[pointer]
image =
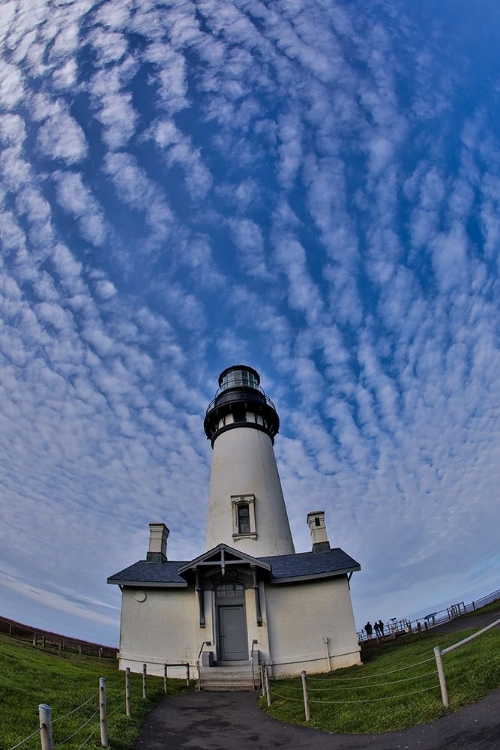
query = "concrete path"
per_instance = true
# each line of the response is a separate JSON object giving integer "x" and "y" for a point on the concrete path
{"x": 233, "y": 721}
{"x": 477, "y": 621}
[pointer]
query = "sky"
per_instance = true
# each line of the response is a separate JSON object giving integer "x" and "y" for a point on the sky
{"x": 309, "y": 187}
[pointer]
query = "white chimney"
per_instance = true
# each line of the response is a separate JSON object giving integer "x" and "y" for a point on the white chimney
{"x": 158, "y": 535}
{"x": 319, "y": 537}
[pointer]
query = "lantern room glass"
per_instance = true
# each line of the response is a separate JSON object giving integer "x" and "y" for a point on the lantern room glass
{"x": 238, "y": 378}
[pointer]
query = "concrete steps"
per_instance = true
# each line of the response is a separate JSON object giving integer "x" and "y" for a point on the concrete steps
{"x": 233, "y": 678}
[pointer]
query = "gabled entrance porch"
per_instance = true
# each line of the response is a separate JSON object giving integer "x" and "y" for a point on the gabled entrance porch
{"x": 229, "y": 586}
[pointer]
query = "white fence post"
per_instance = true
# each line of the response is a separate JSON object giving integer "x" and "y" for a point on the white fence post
{"x": 438, "y": 653}
{"x": 144, "y": 681}
{"x": 128, "y": 708}
{"x": 44, "y": 714}
{"x": 327, "y": 649}
{"x": 266, "y": 684}
{"x": 102, "y": 712}
{"x": 307, "y": 707}
{"x": 442, "y": 678}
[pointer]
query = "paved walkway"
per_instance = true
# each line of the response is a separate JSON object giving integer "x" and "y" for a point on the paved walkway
{"x": 233, "y": 721}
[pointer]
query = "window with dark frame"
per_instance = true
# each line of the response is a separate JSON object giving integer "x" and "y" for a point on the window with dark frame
{"x": 243, "y": 510}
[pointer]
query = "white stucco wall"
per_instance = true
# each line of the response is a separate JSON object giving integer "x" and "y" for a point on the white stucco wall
{"x": 164, "y": 628}
{"x": 160, "y": 630}
{"x": 243, "y": 463}
{"x": 300, "y": 616}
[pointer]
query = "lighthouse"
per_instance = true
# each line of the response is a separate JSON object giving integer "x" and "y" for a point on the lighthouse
{"x": 249, "y": 599}
{"x": 246, "y": 507}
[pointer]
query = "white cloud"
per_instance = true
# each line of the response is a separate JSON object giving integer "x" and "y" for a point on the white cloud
{"x": 7, "y": 15}
{"x": 11, "y": 86}
{"x": 170, "y": 75}
{"x": 115, "y": 111}
{"x": 249, "y": 241}
{"x": 61, "y": 137}
{"x": 106, "y": 289}
{"x": 179, "y": 150}
{"x": 77, "y": 200}
{"x": 65, "y": 77}
{"x": 109, "y": 46}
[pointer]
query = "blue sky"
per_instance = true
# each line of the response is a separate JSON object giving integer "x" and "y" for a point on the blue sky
{"x": 311, "y": 188}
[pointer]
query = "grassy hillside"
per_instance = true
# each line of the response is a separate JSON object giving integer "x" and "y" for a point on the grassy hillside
{"x": 397, "y": 687}
{"x": 29, "y": 676}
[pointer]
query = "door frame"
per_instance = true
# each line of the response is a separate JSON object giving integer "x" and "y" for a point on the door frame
{"x": 236, "y": 601}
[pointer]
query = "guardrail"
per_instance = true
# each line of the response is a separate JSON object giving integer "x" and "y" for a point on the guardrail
{"x": 397, "y": 628}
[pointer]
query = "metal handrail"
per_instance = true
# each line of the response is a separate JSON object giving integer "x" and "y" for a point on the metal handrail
{"x": 403, "y": 627}
{"x": 205, "y": 643}
{"x": 237, "y": 397}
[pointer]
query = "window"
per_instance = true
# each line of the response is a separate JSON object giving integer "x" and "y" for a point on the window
{"x": 244, "y": 516}
{"x": 230, "y": 591}
{"x": 240, "y": 377}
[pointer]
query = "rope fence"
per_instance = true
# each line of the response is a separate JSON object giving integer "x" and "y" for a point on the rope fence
{"x": 368, "y": 677}
{"x": 316, "y": 690}
{"x": 37, "y": 731}
{"x": 63, "y": 742}
{"x": 438, "y": 653}
{"x": 88, "y": 738}
{"x": 374, "y": 684}
{"x": 45, "y": 639}
{"x": 99, "y": 704}
{"x": 74, "y": 710}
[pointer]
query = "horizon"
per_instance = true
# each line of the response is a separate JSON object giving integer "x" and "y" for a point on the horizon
{"x": 412, "y": 617}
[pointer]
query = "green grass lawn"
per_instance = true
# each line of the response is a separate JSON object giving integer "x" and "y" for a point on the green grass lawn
{"x": 30, "y": 676}
{"x": 396, "y": 687}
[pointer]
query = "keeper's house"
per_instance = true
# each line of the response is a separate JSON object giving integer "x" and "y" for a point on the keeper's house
{"x": 250, "y": 598}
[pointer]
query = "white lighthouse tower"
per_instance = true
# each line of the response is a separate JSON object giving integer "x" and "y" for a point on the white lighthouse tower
{"x": 246, "y": 508}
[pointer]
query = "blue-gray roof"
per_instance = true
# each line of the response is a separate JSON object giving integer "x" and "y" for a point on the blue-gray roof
{"x": 310, "y": 565}
{"x": 284, "y": 568}
{"x": 151, "y": 573}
